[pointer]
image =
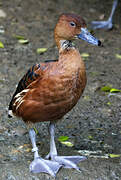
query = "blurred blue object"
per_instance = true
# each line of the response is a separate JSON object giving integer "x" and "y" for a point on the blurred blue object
{"x": 105, "y": 24}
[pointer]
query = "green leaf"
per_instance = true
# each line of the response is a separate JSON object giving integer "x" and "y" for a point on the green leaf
{"x": 118, "y": 56}
{"x": 106, "y": 88}
{"x": 110, "y": 89}
{"x": 1, "y": 45}
{"x": 114, "y": 155}
{"x": 63, "y": 138}
{"x": 67, "y": 143}
{"x": 23, "y": 41}
{"x": 18, "y": 36}
{"x": 108, "y": 103}
{"x": 90, "y": 137}
{"x": 114, "y": 90}
{"x": 87, "y": 98}
{"x": 94, "y": 73}
{"x": 36, "y": 131}
{"x": 41, "y": 50}
{"x": 84, "y": 55}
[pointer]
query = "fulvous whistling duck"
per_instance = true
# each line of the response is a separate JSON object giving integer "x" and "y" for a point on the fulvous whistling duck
{"x": 105, "y": 24}
{"x": 49, "y": 90}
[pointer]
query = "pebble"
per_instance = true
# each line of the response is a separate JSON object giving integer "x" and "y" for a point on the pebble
{"x": 2, "y": 30}
{"x": 2, "y": 14}
{"x": 19, "y": 131}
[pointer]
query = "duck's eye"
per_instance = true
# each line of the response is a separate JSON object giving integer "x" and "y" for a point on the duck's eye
{"x": 72, "y": 24}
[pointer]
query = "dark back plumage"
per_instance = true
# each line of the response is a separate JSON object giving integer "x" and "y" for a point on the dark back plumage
{"x": 28, "y": 78}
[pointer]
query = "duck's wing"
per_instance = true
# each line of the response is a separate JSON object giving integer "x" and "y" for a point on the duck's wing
{"x": 27, "y": 79}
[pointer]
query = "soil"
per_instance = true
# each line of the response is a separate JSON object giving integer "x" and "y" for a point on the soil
{"x": 94, "y": 124}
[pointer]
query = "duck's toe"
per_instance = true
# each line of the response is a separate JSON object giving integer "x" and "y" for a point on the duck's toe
{"x": 101, "y": 25}
{"x": 45, "y": 166}
{"x": 69, "y": 161}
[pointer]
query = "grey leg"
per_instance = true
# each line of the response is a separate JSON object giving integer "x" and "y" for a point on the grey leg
{"x": 53, "y": 150}
{"x": 32, "y": 136}
{"x": 105, "y": 24}
{"x": 39, "y": 164}
{"x": 66, "y": 161}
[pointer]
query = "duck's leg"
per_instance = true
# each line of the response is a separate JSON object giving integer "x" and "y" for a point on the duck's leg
{"x": 66, "y": 161}
{"x": 39, "y": 164}
{"x": 105, "y": 24}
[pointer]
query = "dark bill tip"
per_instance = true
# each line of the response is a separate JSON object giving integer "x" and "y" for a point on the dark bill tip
{"x": 9, "y": 116}
{"x": 99, "y": 43}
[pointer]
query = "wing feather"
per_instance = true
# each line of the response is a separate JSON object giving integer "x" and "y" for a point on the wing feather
{"x": 27, "y": 79}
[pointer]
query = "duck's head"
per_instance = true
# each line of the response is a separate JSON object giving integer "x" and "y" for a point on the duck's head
{"x": 70, "y": 27}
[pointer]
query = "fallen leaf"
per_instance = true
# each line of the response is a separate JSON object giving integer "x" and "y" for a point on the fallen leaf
{"x": 114, "y": 90}
{"x": 41, "y": 50}
{"x": 15, "y": 151}
{"x": 87, "y": 98}
{"x": 19, "y": 36}
{"x": 26, "y": 145}
{"x": 28, "y": 150}
{"x": 20, "y": 147}
{"x": 1, "y": 45}
{"x": 108, "y": 103}
{"x": 63, "y": 138}
{"x": 106, "y": 88}
{"x": 90, "y": 137}
{"x": 84, "y": 55}
{"x": 94, "y": 73}
{"x": 118, "y": 56}
{"x": 114, "y": 155}
{"x": 36, "y": 131}
{"x": 67, "y": 143}
{"x": 100, "y": 129}
{"x": 94, "y": 154}
{"x": 87, "y": 152}
{"x": 23, "y": 41}
{"x": 110, "y": 89}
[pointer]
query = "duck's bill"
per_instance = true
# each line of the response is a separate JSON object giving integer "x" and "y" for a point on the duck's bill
{"x": 86, "y": 36}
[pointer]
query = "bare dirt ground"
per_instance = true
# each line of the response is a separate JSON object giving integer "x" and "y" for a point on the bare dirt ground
{"x": 95, "y": 123}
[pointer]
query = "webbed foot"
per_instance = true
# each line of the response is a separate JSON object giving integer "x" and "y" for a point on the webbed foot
{"x": 68, "y": 161}
{"x": 47, "y": 166}
{"x": 105, "y": 24}
{"x": 101, "y": 25}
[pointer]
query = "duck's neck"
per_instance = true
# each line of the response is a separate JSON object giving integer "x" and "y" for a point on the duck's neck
{"x": 65, "y": 45}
